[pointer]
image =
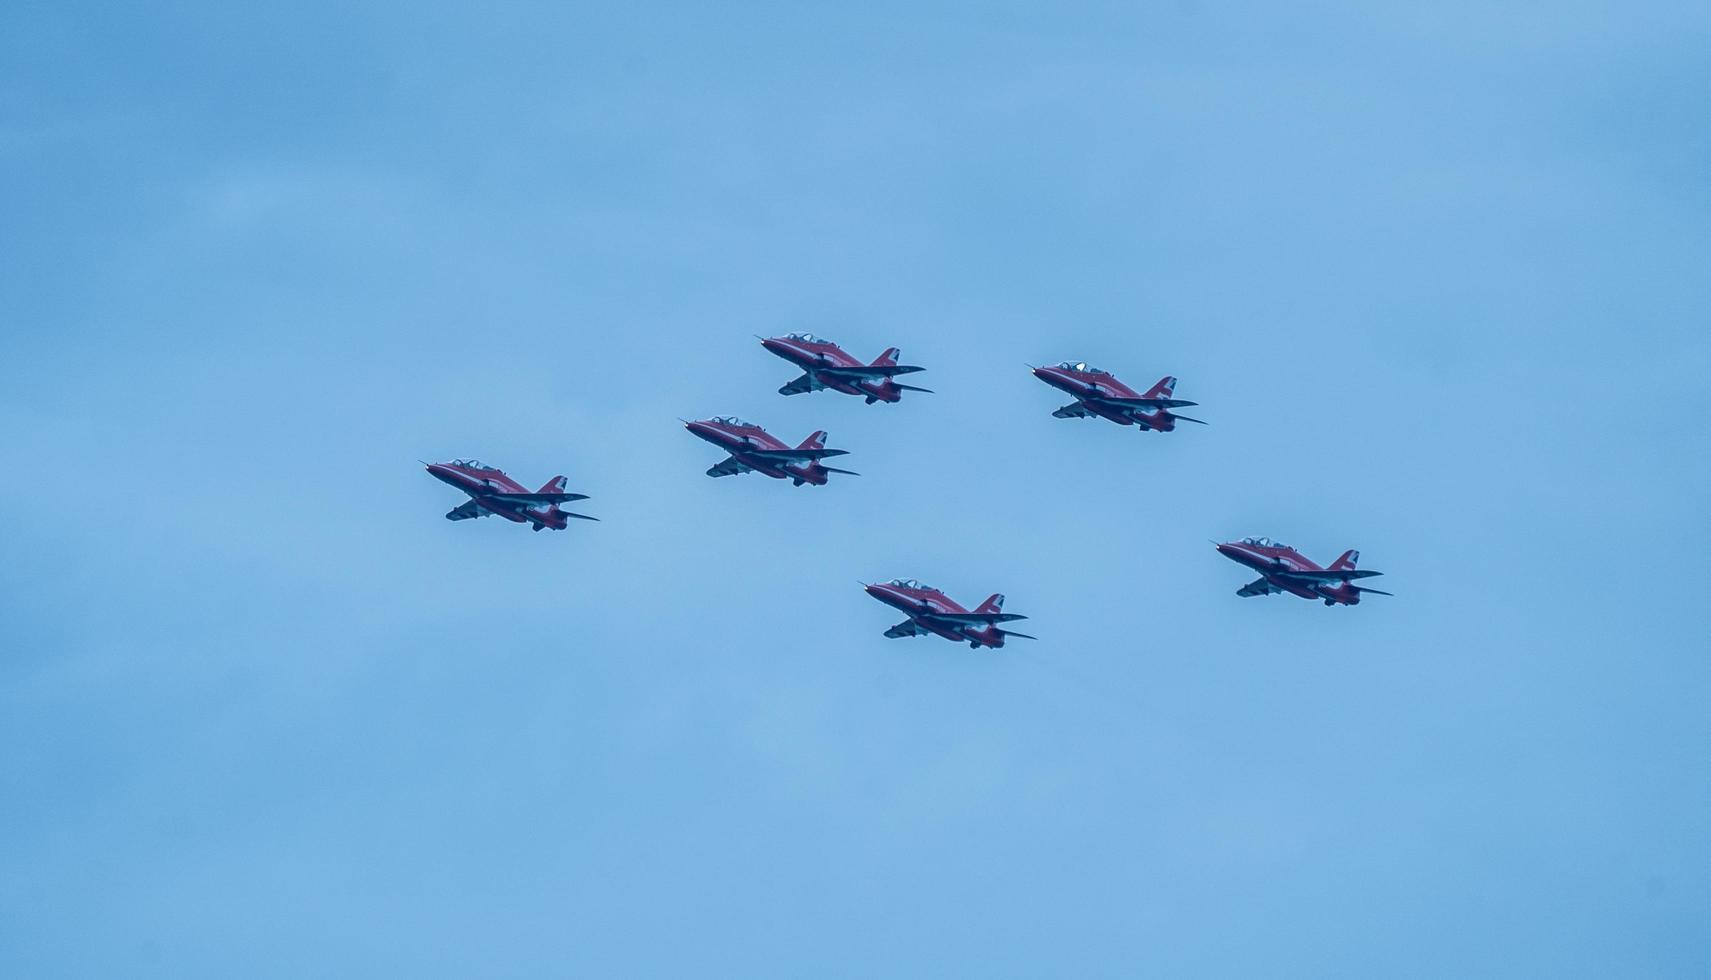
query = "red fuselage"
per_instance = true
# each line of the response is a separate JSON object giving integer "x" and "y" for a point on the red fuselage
{"x": 1274, "y": 562}
{"x": 814, "y": 355}
{"x": 1098, "y": 393}
{"x": 921, "y": 605}
{"x": 747, "y": 443}
{"x": 482, "y": 483}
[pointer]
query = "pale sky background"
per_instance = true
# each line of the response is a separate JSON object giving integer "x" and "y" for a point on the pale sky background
{"x": 1437, "y": 274}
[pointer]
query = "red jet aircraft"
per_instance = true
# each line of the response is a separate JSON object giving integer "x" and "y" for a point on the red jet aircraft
{"x": 1283, "y": 569}
{"x": 931, "y": 611}
{"x": 753, "y": 448}
{"x": 492, "y": 492}
{"x": 1098, "y": 393}
{"x": 827, "y": 366}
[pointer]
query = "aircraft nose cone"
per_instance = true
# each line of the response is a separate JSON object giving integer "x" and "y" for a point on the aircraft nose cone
{"x": 442, "y": 472}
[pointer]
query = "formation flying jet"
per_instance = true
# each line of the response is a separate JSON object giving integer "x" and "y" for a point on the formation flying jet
{"x": 492, "y": 492}
{"x": 753, "y": 448}
{"x": 931, "y": 611}
{"x": 1097, "y": 393}
{"x": 1283, "y": 569}
{"x": 826, "y": 365}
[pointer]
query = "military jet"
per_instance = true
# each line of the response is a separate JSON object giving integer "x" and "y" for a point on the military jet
{"x": 1283, "y": 569}
{"x": 931, "y": 611}
{"x": 492, "y": 492}
{"x": 826, "y": 365}
{"x": 1097, "y": 393}
{"x": 753, "y": 448}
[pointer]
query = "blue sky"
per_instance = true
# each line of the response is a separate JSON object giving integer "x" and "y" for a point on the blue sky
{"x": 1436, "y": 276}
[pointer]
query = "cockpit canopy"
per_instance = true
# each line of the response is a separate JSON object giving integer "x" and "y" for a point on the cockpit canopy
{"x": 1081, "y": 367}
{"x": 806, "y": 338}
{"x": 909, "y": 583}
{"x": 474, "y": 464}
{"x": 1266, "y": 543}
{"x": 734, "y": 422}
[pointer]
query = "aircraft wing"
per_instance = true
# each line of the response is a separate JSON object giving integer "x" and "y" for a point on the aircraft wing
{"x": 1327, "y": 574}
{"x": 973, "y": 619}
{"x": 906, "y": 628}
{"x": 537, "y": 498}
{"x": 1144, "y": 402}
{"x": 1258, "y": 586}
{"x": 464, "y": 512}
{"x": 793, "y": 455}
{"x": 801, "y": 385}
{"x": 1074, "y": 410}
{"x": 730, "y": 466}
{"x": 870, "y": 373}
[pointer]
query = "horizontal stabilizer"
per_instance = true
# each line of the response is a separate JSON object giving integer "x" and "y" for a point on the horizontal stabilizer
{"x": 537, "y": 498}
{"x": 1362, "y": 588}
{"x": 869, "y": 372}
{"x": 904, "y": 387}
{"x": 793, "y": 455}
{"x": 581, "y": 517}
{"x": 1184, "y": 418}
{"x": 834, "y": 469}
{"x": 1019, "y": 636}
{"x": 974, "y": 619}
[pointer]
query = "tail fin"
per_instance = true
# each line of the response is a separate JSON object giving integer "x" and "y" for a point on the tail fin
{"x": 815, "y": 441}
{"x": 888, "y": 358}
{"x": 554, "y": 485}
{"x": 1349, "y": 560}
{"x": 1164, "y": 389}
{"x": 992, "y": 604}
